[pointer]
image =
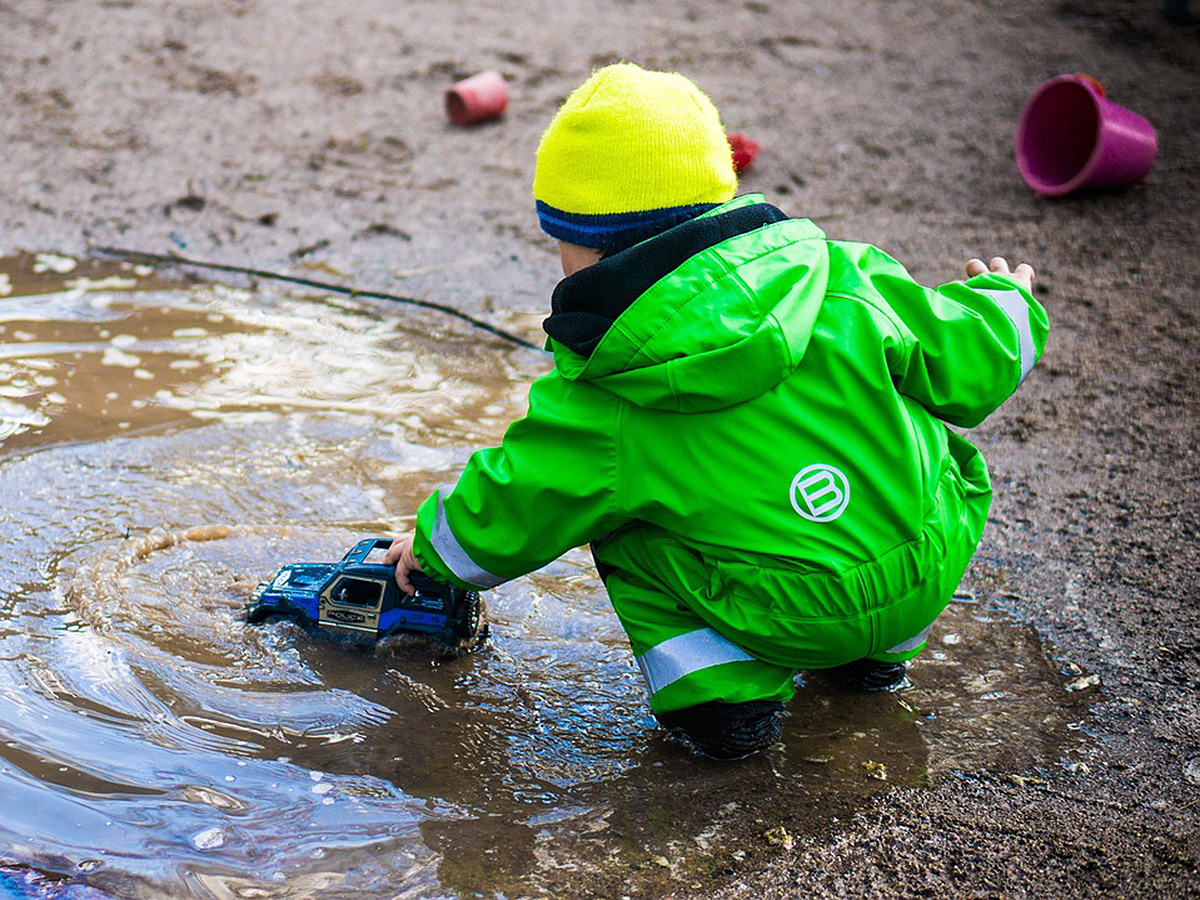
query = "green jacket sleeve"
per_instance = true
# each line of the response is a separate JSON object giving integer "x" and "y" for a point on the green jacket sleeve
{"x": 964, "y": 347}
{"x": 551, "y": 485}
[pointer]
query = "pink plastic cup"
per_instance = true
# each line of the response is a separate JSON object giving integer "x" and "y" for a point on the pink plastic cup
{"x": 477, "y": 99}
{"x": 1070, "y": 136}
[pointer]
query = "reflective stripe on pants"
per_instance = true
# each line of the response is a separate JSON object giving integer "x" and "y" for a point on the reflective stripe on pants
{"x": 683, "y": 659}
{"x": 680, "y": 656}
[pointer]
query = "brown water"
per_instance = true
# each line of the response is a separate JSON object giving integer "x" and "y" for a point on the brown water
{"x": 163, "y": 447}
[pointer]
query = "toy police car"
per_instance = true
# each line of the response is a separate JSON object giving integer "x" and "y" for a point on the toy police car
{"x": 359, "y": 598}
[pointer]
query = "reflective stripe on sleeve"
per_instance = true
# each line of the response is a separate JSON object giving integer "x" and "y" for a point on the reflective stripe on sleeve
{"x": 1014, "y": 306}
{"x": 457, "y": 559}
{"x": 686, "y": 653}
{"x": 912, "y": 643}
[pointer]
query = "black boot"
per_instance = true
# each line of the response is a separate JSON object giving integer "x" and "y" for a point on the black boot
{"x": 728, "y": 730}
{"x": 867, "y": 675}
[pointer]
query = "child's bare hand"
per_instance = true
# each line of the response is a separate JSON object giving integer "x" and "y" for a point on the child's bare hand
{"x": 1023, "y": 274}
{"x": 401, "y": 555}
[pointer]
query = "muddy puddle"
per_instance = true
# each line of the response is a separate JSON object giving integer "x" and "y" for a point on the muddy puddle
{"x": 164, "y": 446}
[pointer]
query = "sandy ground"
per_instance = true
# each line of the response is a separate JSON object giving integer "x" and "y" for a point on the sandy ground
{"x": 310, "y": 137}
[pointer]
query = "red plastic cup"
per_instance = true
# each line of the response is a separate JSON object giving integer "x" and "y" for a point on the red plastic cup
{"x": 1071, "y": 136}
{"x": 477, "y": 99}
{"x": 744, "y": 150}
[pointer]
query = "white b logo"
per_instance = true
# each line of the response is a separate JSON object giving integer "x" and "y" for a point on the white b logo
{"x": 820, "y": 493}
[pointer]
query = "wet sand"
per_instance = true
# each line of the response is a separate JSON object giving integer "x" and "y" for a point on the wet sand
{"x": 311, "y": 139}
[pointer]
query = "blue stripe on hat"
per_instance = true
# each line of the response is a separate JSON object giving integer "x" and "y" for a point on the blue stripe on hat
{"x": 606, "y": 231}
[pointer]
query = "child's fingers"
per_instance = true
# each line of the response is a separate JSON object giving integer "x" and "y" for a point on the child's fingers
{"x": 998, "y": 264}
{"x": 975, "y": 267}
{"x": 396, "y": 552}
{"x": 404, "y": 582}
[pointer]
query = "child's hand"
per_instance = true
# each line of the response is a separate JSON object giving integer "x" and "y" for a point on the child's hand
{"x": 1023, "y": 274}
{"x": 401, "y": 555}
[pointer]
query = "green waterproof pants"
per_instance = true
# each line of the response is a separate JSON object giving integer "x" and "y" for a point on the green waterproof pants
{"x": 738, "y": 626}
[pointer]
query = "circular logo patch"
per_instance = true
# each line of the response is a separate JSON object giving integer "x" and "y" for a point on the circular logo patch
{"x": 820, "y": 492}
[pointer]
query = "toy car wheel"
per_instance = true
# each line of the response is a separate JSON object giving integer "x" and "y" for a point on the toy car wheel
{"x": 262, "y": 612}
{"x": 470, "y": 614}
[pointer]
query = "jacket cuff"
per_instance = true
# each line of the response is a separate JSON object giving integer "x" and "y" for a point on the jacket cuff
{"x": 441, "y": 555}
{"x": 1014, "y": 301}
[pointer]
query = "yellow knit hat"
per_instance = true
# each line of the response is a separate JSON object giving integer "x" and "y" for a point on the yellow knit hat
{"x": 630, "y": 151}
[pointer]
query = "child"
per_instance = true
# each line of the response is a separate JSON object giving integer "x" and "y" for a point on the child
{"x": 745, "y": 421}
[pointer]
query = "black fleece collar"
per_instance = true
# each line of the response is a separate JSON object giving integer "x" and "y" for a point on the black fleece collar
{"x": 585, "y": 305}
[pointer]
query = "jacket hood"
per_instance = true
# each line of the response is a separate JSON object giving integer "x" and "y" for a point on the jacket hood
{"x": 711, "y": 313}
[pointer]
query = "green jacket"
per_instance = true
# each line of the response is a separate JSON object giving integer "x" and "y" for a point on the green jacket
{"x": 747, "y": 385}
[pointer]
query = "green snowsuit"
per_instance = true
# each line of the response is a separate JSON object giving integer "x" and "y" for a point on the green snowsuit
{"x": 745, "y": 420}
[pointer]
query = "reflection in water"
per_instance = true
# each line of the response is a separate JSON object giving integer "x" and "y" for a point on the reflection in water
{"x": 153, "y": 744}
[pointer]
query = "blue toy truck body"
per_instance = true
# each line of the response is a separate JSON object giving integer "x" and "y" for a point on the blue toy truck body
{"x": 359, "y": 598}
